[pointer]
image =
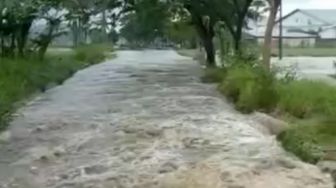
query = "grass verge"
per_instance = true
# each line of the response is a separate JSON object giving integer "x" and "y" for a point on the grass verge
{"x": 309, "y": 52}
{"x": 213, "y": 75}
{"x": 309, "y": 106}
{"x": 20, "y": 78}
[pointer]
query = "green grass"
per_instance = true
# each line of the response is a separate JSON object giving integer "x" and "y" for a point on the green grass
{"x": 309, "y": 106}
{"x": 20, "y": 78}
{"x": 301, "y": 140}
{"x": 312, "y": 52}
{"x": 213, "y": 75}
{"x": 312, "y": 108}
{"x": 312, "y": 139}
{"x": 250, "y": 88}
{"x": 304, "y": 98}
{"x": 92, "y": 53}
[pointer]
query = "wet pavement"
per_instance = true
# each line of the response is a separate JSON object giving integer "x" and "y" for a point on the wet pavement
{"x": 144, "y": 120}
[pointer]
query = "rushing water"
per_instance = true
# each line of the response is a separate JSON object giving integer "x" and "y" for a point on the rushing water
{"x": 144, "y": 120}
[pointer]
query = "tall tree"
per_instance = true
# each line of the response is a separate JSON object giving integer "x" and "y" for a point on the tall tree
{"x": 145, "y": 20}
{"x": 206, "y": 13}
{"x": 204, "y": 19}
{"x": 234, "y": 18}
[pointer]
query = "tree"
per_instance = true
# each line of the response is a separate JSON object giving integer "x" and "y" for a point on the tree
{"x": 182, "y": 33}
{"x": 16, "y": 19}
{"x": 204, "y": 20}
{"x": 235, "y": 18}
{"x": 18, "y": 16}
{"x": 145, "y": 21}
{"x": 83, "y": 16}
{"x": 267, "y": 48}
{"x": 206, "y": 14}
{"x": 52, "y": 31}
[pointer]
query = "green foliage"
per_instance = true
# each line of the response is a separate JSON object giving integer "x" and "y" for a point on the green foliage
{"x": 19, "y": 78}
{"x": 92, "y": 54}
{"x": 311, "y": 139}
{"x": 250, "y": 88}
{"x": 146, "y": 22}
{"x": 311, "y": 106}
{"x": 304, "y": 98}
{"x": 213, "y": 75}
{"x": 183, "y": 33}
{"x": 301, "y": 141}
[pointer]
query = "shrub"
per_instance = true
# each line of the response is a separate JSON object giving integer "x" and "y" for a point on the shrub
{"x": 250, "y": 88}
{"x": 213, "y": 75}
{"x": 93, "y": 53}
{"x": 305, "y": 98}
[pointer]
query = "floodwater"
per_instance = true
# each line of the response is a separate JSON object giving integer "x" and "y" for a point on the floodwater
{"x": 144, "y": 120}
{"x": 315, "y": 68}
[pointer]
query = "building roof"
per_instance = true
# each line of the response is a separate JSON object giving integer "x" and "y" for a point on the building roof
{"x": 327, "y": 16}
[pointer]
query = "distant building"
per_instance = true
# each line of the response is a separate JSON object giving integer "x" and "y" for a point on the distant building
{"x": 301, "y": 28}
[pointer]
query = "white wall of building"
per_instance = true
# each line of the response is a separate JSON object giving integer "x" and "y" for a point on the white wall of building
{"x": 329, "y": 33}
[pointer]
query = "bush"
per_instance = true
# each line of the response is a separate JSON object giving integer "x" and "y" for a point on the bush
{"x": 304, "y": 98}
{"x": 213, "y": 75}
{"x": 93, "y": 53}
{"x": 250, "y": 88}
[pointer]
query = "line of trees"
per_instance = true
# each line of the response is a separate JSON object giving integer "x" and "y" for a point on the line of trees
{"x": 57, "y": 17}
{"x": 233, "y": 15}
{"x": 180, "y": 20}
{"x": 142, "y": 21}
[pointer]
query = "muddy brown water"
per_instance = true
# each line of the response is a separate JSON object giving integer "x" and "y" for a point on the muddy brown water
{"x": 144, "y": 120}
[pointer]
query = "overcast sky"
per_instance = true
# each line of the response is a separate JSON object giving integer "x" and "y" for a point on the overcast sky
{"x": 290, "y": 5}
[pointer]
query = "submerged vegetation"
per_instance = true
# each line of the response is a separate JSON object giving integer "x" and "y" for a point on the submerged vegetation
{"x": 309, "y": 106}
{"x": 27, "y": 30}
{"x": 20, "y": 78}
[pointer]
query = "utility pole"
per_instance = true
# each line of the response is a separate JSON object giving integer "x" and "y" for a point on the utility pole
{"x": 280, "y": 32}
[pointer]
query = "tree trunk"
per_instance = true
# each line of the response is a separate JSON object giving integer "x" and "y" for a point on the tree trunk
{"x": 267, "y": 48}
{"x": 21, "y": 41}
{"x": 42, "y": 51}
{"x": 104, "y": 27}
{"x": 12, "y": 47}
{"x": 210, "y": 51}
{"x": 2, "y": 43}
{"x": 46, "y": 42}
{"x": 237, "y": 42}
{"x": 23, "y": 35}
{"x": 237, "y": 36}
{"x": 207, "y": 33}
{"x": 75, "y": 33}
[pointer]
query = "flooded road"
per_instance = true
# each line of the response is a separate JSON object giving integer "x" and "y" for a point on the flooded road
{"x": 144, "y": 120}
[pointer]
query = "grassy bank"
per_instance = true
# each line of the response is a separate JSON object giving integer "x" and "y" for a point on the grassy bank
{"x": 20, "y": 78}
{"x": 309, "y": 107}
{"x": 310, "y": 52}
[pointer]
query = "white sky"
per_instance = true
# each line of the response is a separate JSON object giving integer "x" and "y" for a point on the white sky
{"x": 289, "y": 5}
